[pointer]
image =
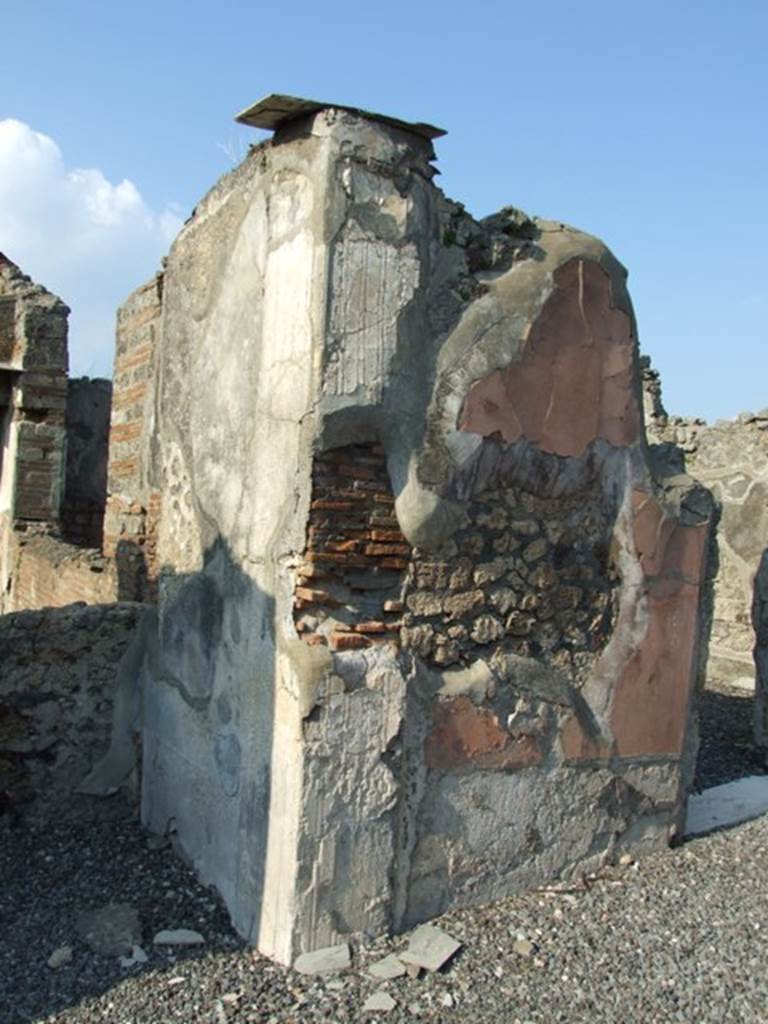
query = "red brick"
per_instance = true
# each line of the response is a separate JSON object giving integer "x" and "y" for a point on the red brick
{"x": 387, "y": 549}
{"x": 347, "y": 641}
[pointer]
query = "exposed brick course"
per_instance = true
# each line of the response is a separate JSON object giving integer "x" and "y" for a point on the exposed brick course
{"x": 352, "y": 537}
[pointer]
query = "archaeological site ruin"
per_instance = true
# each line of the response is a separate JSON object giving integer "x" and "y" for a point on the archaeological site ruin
{"x": 363, "y": 579}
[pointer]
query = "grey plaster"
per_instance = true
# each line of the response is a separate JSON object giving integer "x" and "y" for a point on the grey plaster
{"x": 324, "y": 294}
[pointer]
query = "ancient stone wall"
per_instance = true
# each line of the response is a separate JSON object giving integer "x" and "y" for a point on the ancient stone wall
{"x": 57, "y": 668}
{"x": 730, "y": 457}
{"x": 33, "y": 359}
{"x": 130, "y": 522}
{"x": 33, "y": 399}
{"x": 429, "y": 623}
{"x": 85, "y": 491}
{"x": 48, "y": 572}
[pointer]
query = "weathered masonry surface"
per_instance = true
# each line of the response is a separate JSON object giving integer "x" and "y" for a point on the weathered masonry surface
{"x": 53, "y": 458}
{"x": 730, "y": 457}
{"x": 56, "y": 702}
{"x": 130, "y": 520}
{"x": 429, "y": 624}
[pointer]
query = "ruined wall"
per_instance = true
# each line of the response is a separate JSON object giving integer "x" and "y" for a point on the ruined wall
{"x": 730, "y": 457}
{"x": 130, "y": 522}
{"x": 429, "y": 626}
{"x": 85, "y": 490}
{"x": 33, "y": 398}
{"x": 57, "y": 668}
{"x": 47, "y": 572}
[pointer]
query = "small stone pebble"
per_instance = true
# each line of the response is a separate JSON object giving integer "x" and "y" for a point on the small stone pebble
{"x": 379, "y": 1001}
{"x": 178, "y": 937}
{"x": 522, "y": 947}
{"x": 60, "y": 956}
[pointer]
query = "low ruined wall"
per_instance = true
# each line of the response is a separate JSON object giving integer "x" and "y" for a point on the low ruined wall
{"x": 57, "y": 674}
{"x": 729, "y": 457}
{"x": 47, "y": 572}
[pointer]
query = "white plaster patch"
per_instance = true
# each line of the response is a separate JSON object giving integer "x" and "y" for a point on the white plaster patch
{"x": 726, "y": 805}
{"x": 371, "y": 284}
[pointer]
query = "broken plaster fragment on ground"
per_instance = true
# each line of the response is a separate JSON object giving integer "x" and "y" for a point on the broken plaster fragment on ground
{"x": 138, "y": 956}
{"x": 388, "y": 968}
{"x": 60, "y": 956}
{"x": 379, "y": 1001}
{"x": 178, "y": 937}
{"x": 430, "y": 948}
{"x": 328, "y": 960}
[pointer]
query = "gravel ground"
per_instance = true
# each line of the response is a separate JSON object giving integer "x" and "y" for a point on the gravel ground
{"x": 678, "y": 937}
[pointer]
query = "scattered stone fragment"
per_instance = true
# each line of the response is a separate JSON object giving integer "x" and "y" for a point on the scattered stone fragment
{"x": 522, "y": 947}
{"x": 158, "y": 842}
{"x": 178, "y": 937}
{"x": 231, "y": 998}
{"x": 430, "y": 948}
{"x": 329, "y": 960}
{"x": 112, "y": 930}
{"x": 625, "y": 859}
{"x": 446, "y": 999}
{"x": 60, "y": 956}
{"x": 380, "y": 1001}
{"x": 138, "y": 956}
{"x": 389, "y": 967}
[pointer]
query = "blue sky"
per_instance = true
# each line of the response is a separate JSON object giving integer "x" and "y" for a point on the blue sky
{"x": 644, "y": 123}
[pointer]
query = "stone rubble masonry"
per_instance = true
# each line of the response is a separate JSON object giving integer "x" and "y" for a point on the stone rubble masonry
{"x": 730, "y": 457}
{"x": 58, "y": 669}
{"x": 430, "y": 622}
{"x": 132, "y": 509}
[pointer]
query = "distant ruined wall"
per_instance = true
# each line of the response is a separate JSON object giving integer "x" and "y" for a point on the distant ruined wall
{"x": 85, "y": 491}
{"x": 57, "y": 672}
{"x": 130, "y": 521}
{"x": 730, "y": 457}
{"x": 33, "y": 399}
{"x": 53, "y": 458}
{"x": 49, "y": 573}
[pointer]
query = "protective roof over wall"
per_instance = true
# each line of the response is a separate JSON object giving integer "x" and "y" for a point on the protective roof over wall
{"x": 274, "y": 110}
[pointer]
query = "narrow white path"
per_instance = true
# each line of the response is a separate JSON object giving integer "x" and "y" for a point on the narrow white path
{"x": 729, "y": 804}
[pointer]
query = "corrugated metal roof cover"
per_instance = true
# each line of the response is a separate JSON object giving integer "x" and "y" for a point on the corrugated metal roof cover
{"x": 274, "y": 110}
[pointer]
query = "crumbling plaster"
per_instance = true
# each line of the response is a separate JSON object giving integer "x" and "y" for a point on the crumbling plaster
{"x": 730, "y": 457}
{"x": 326, "y": 294}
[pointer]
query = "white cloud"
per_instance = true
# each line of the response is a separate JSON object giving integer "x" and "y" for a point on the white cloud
{"x": 78, "y": 234}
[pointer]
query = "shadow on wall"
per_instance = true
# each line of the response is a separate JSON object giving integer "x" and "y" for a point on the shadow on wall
{"x": 197, "y": 688}
{"x": 133, "y": 578}
{"x": 760, "y": 626}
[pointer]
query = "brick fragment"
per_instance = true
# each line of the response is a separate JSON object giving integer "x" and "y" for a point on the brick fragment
{"x": 315, "y": 640}
{"x": 312, "y": 595}
{"x": 347, "y": 641}
{"x": 387, "y": 549}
